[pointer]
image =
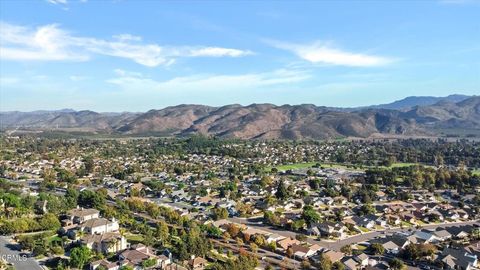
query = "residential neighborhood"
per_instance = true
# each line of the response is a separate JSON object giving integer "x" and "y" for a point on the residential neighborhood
{"x": 101, "y": 210}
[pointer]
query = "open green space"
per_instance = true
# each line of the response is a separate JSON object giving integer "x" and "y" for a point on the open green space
{"x": 304, "y": 165}
{"x": 136, "y": 238}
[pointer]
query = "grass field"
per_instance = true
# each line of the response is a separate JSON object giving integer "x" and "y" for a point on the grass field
{"x": 335, "y": 165}
{"x": 293, "y": 166}
{"x": 401, "y": 164}
{"x": 476, "y": 172}
{"x": 134, "y": 237}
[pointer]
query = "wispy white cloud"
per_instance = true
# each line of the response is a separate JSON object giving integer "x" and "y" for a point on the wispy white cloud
{"x": 77, "y": 78}
{"x": 51, "y": 43}
{"x": 324, "y": 53}
{"x": 136, "y": 81}
{"x": 45, "y": 43}
{"x": 127, "y": 37}
{"x": 56, "y": 2}
{"x": 216, "y": 52}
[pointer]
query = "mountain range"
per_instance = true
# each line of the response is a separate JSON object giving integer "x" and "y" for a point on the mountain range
{"x": 412, "y": 116}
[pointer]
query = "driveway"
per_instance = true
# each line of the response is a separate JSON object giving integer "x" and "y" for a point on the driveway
{"x": 20, "y": 261}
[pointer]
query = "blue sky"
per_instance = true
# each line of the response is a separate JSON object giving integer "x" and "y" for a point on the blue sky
{"x": 141, "y": 55}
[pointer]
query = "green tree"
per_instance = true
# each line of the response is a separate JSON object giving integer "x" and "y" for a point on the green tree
{"x": 338, "y": 265}
{"x": 347, "y": 249}
{"x": 310, "y": 215}
{"x": 377, "y": 249}
{"x": 79, "y": 256}
{"x": 397, "y": 264}
{"x": 282, "y": 192}
{"x": 220, "y": 213}
{"x": 49, "y": 222}
{"x": 89, "y": 198}
{"x": 324, "y": 263}
{"x": 161, "y": 232}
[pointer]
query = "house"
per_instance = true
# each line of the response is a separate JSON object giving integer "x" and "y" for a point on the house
{"x": 105, "y": 243}
{"x": 393, "y": 219}
{"x": 442, "y": 235}
{"x": 250, "y": 231}
{"x": 328, "y": 228}
{"x": 274, "y": 238}
{"x": 393, "y": 244}
{"x": 362, "y": 259}
{"x": 450, "y": 214}
{"x": 197, "y": 263}
{"x": 459, "y": 232}
{"x": 432, "y": 216}
{"x": 80, "y": 215}
{"x": 355, "y": 263}
{"x": 284, "y": 244}
{"x": 104, "y": 264}
{"x": 350, "y": 264}
{"x": 363, "y": 222}
{"x": 426, "y": 236}
{"x": 408, "y": 217}
{"x": 136, "y": 255}
{"x": 334, "y": 256}
{"x": 395, "y": 209}
{"x": 99, "y": 226}
{"x": 378, "y": 220}
{"x": 462, "y": 213}
{"x": 458, "y": 259}
{"x": 304, "y": 252}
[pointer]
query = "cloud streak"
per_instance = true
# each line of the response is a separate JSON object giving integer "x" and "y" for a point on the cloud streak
{"x": 322, "y": 53}
{"x": 51, "y": 43}
{"x": 135, "y": 81}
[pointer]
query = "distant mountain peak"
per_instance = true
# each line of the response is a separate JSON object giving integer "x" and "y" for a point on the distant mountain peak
{"x": 412, "y": 101}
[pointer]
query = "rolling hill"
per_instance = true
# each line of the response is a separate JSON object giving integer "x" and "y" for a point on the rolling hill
{"x": 266, "y": 121}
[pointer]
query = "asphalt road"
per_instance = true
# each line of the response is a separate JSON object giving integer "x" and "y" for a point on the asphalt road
{"x": 262, "y": 254}
{"x": 337, "y": 245}
{"x": 10, "y": 254}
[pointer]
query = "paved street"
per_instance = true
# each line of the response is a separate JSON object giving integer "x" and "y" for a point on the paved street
{"x": 262, "y": 254}
{"x": 9, "y": 252}
{"x": 336, "y": 245}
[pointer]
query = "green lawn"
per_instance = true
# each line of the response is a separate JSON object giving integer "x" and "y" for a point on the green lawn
{"x": 304, "y": 165}
{"x": 361, "y": 247}
{"x": 476, "y": 172}
{"x": 134, "y": 237}
{"x": 401, "y": 164}
{"x": 406, "y": 224}
{"x": 55, "y": 238}
{"x": 308, "y": 165}
{"x": 293, "y": 166}
{"x": 421, "y": 223}
{"x": 363, "y": 229}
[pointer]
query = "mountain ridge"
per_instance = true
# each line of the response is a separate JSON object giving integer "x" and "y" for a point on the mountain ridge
{"x": 264, "y": 121}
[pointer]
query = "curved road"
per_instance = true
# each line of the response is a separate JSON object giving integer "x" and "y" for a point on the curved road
{"x": 337, "y": 245}
{"x": 11, "y": 254}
